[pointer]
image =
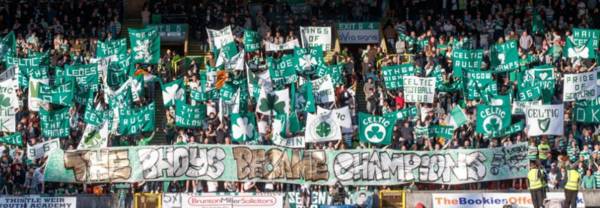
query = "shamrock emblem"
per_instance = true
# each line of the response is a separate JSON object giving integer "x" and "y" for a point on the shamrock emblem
{"x": 171, "y": 92}
{"x": 4, "y": 101}
{"x": 492, "y": 124}
{"x": 142, "y": 50}
{"x": 323, "y": 129}
{"x": 271, "y": 103}
{"x": 375, "y": 133}
{"x": 242, "y": 129}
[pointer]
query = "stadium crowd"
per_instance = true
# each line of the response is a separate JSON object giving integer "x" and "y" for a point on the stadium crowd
{"x": 69, "y": 31}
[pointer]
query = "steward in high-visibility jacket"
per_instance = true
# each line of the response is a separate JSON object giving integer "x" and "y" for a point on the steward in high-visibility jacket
{"x": 572, "y": 187}
{"x": 535, "y": 179}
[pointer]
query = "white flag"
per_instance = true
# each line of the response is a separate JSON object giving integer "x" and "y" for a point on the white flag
{"x": 9, "y": 104}
{"x": 40, "y": 150}
{"x": 341, "y": 115}
{"x": 274, "y": 102}
{"x": 94, "y": 137}
{"x": 322, "y": 128}
{"x": 580, "y": 86}
{"x": 315, "y": 36}
{"x": 323, "y": 90}
{"x": 544, "y": 119}
{"x": 218, "y": 38}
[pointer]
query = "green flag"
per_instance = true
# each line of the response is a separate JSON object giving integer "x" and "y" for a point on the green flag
{"x": 309, "y": 97}
{"x": 134, "y": 121}
{"x": 393, "y": 75}
{"x": 463, "y": 59}
{"x": 308, "y": 58}
{"x": 537, "y": 23}
{"x": 172, "y": 91}
{"x": 478, "y": 84}
{"x": 529, "y": 93}
{"x": 92, "y": 115}
{"x": 118, "y": 72}
{"x": 282, "y": 71}
{"x": 581, "y": 36}
{"x": 251, "y": 41}
{"x": 403, "y": 114}
{"x": 55, "y": 124}
{"x": 492, "y": 118}
{"x": 512, "y": 129}
{"x": 505, "y": 57}
{"x": 61, "y": 94}
{"x": 375, "y": 129}
{"x": 243, "y": 127}
{"x": 8, "y": 45}
{"x": 30, "y": 67}
{"x": 85, "y": 76}
{"x": 587, "y": 111}
{"x": 584, "y": 51}
{"x": 457, "y": 117}
{"x": 113, "y": 47}
{"x": 145, "y": 45}
{"x": 334, "y": 71}
{"x": 189, "y": 116}
{"x": 439, "y": 131}
{"x": 12, "y": 139}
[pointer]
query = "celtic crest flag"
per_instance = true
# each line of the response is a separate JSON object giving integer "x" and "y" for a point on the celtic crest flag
{"x": 375, "y": 129}
{"x": 136, "y": 120}
{"x": 12, "y": 139}
{"x": 61, "y": 94}
{"x": 251, "y": 41}
{"x": 8, "y": 45}
{"x": 190, "y": 116}
{"x": 583, "y": 51}
{"x": 9, "y": 103}
{"x": 544, "y": 120}
{"x": 505, "y": 56}
{"x": 55, "y": 124}
{"x": 243, "y": 127}
{"x": 172, "y": 91}
{"x": 145, "y": 45}
{"x": 109, "y": 48}
{"x": 94, "y": 136}
{"x": 308, "y": 58}
{"x": 492, "y": 118}
{"x": 322, "y": 127}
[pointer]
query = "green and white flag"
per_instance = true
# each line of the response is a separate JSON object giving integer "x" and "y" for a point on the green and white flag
{"x": 85, "y": 75}
{"x": 505, "y": 57}
{"x": 479, "y": 84}
{"x": 145, "y": 45}
{"x": 308, "y": 58}
{"x": 172, "y": 91}
{"x": 251, "y": 41}
{"x": 9, "y": 103}
{"x": 120, "y": 98}
{"x": 512, "y": 129}
{"x": 109, "y": 48}
{"x": 137, "y": 87}
{"x": 61, "y": 94}
{"x": 465, "y": 60}
{"x": 492, "y": 118}
{"x": 582, "y": 36}
{"x": 117, "y": 72}
{"x": 457, "y": 117}
{"x": 226, "y": 53}
{"x": 218, "y": 38}
{"x": 532, "y": 93}
{"x": 274, "y": 103}
{"x": 544, "y": 120}
{"x": 393, "y": 75}
{"x": 419, "y": 89}
{"x": 8, "y": 45}
{"x": 227, "y": 93}
{"x": 12, "y": 139}
{"x": 283, "y": 70}
{"x": 55, "y": 124}
{"x": 309, "y": 97}
{"x": 134, "y": 121}
{"x": 40, "y": 150}
{"x": 290, "y": 45}
{"x": 540, "y": 76}
{"x": 375, "y": 129}
{"x": 94, "y": 115}
{"x": 334, "y": 71}
{"x": 189, "y": 116}
{"x": 322, "y": 127}
{"x": 584, "y": 51}
{"x": 341, "y": 115}
{"x": 580, "y": 86}
{"x": 33, "y": 94}
{"x": 439, "y": 131}
{"x": 243, "y": 127}
{"x": 408, "y": 112}
{"x": 586, "y": 113}
{"x": 94, "y": 136}
{"x": 323, "y": 90}
{"x": 31, "y": 67}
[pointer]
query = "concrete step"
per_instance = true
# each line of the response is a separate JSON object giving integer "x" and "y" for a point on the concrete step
{"x": 361, "y": 103}
{"x": 160, "y": 118}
